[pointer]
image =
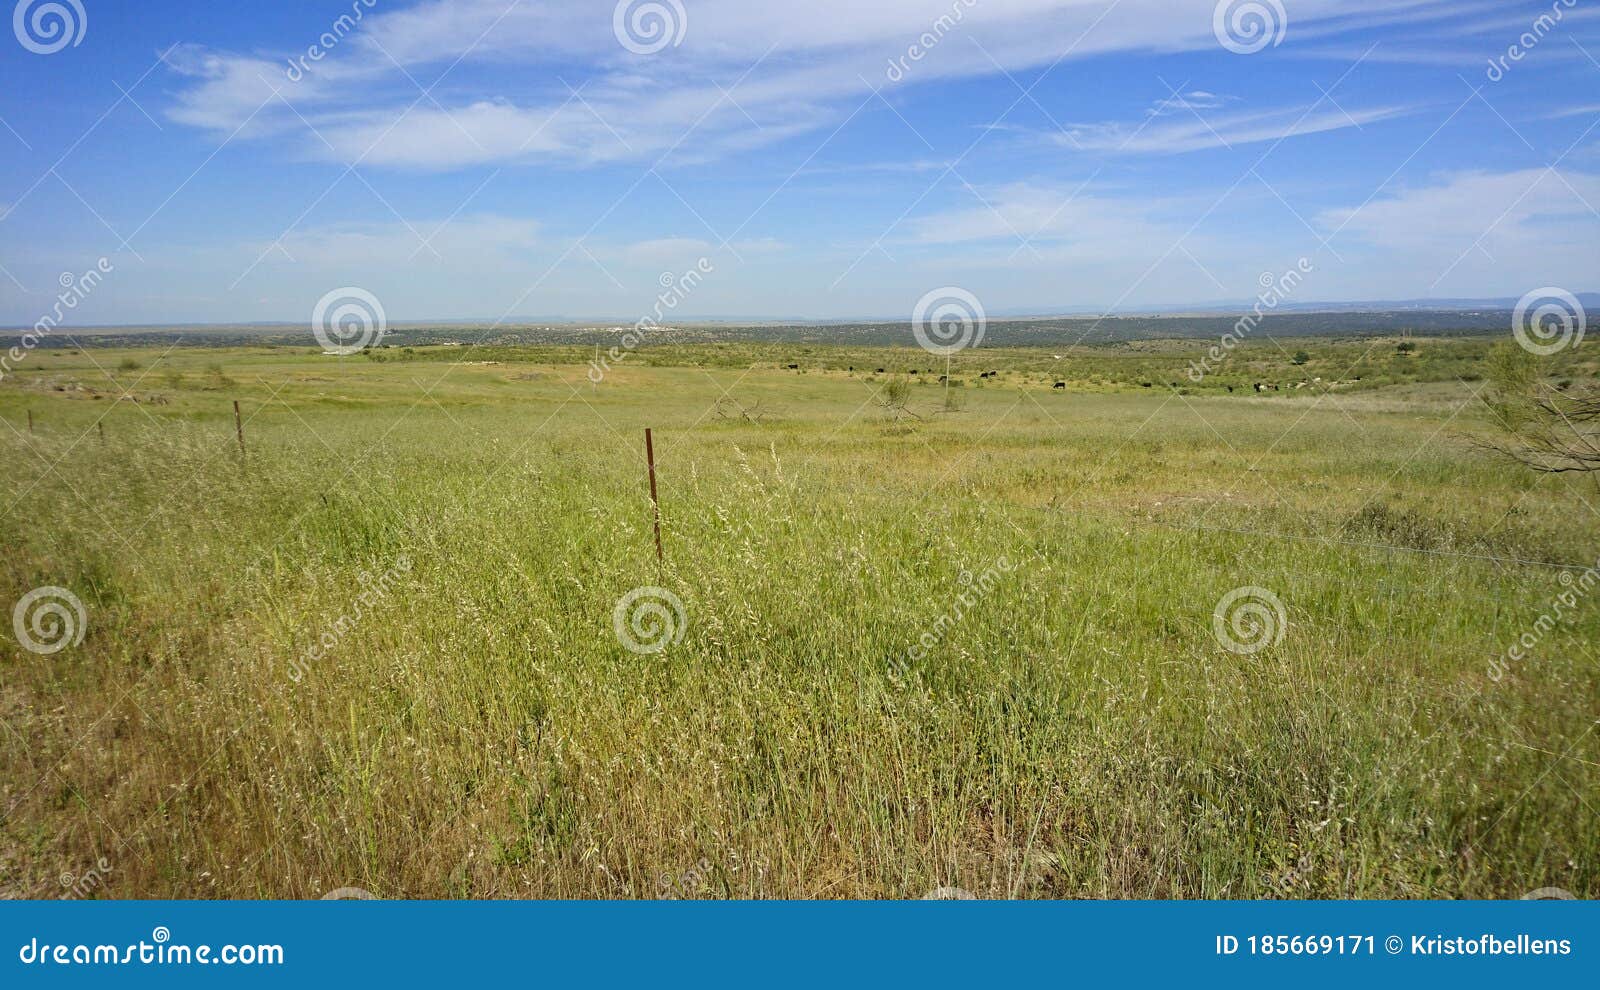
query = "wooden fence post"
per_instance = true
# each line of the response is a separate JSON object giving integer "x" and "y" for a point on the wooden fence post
{"x": 655, "y": 503}
{"x": 238, "y": 426}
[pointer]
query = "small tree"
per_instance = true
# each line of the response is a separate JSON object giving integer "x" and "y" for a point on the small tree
{"x": 896, "y": 393}
{"x": 1301, "y": 357}
{"x": 1405, "y": 347}
{"x": 1552, "y": 429}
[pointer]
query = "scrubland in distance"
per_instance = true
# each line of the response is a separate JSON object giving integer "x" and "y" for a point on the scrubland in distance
{"x": 1078, "y": 732}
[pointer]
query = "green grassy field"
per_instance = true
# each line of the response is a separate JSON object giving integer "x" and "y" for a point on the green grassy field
{"x": 967, "y": 643}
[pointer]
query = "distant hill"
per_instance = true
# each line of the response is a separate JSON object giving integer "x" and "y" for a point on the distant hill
{"x": 1492, "y": 316}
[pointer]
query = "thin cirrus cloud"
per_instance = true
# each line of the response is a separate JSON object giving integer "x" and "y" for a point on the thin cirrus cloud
{"x": 550, "y": 82}
{"x": 1469, "y": 230}
{"x": 1198, "y": 132}
{"x": 1527, "y": 207}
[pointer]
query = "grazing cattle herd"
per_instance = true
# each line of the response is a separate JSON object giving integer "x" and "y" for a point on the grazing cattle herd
{"x": 1259, "y": 387}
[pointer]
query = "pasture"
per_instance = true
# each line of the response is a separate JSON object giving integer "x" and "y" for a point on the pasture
{"x": 964, "y": 639}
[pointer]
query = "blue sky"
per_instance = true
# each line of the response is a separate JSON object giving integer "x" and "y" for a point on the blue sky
{"x": 501, "y": 160}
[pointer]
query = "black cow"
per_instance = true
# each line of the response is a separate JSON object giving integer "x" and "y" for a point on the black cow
{"x": 1060, "y": 385}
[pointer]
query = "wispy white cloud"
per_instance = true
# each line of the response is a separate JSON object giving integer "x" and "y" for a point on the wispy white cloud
{"x": 1197, "y": 132}
{"x": 1194, "y": 99}
{"x": 745, "y": 74}
{"x": 1473, "y": 229}
{"x": 468, "y": 242}
{"x": 1068, "y": 221}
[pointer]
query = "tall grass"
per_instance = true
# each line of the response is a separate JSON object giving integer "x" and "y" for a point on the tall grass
{"x": 477, "y": 729}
